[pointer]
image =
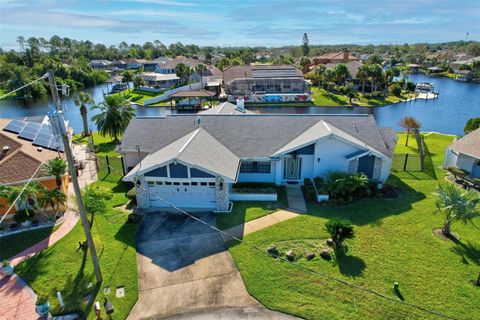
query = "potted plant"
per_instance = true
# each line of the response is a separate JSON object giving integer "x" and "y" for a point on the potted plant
{"x": 42, "y": 307}
{"x": 7, "y": 268}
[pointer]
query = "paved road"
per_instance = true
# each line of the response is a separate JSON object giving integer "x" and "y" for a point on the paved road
{"x": 183, "y": 266}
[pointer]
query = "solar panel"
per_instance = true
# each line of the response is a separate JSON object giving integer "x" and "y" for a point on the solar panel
{"x": 15, "y": 126}
{"x": 46, "y": 139}
{"x": 30, "y": 131}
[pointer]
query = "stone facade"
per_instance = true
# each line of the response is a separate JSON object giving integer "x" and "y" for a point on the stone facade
{"x": 377, "y": 169}
{"x": 353, "y": 166}
{"x": 142, "y": 194}
{"x": 222, "y": 194}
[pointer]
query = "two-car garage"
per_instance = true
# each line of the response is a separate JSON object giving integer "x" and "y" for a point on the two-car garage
{"x": 182, "y": 194}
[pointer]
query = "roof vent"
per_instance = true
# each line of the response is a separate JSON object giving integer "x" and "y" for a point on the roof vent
{"x": 5, "y": 148}
{"x": 39, "y": 149}
{"x": 198, "y": 120}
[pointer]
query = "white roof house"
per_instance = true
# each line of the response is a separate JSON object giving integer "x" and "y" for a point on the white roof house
{"x": 192, "y": 161}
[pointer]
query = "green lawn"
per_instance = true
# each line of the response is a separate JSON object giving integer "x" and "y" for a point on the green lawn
{"x": 323, "y": 98}
{"x": 103, "y": 145}
{"x": 244, "y": 211}
{"x": 64, "y": 268}
{"x": 138, "y": 96}
{"x": 11, "y": 245}
{"x": 394, "y": 242}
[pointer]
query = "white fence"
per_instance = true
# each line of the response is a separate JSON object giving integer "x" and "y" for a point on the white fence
{"x": 253, "y": 197}
{"x": 193, "y": 86}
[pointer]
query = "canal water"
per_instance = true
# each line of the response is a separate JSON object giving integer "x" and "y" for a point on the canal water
{"x": 457, "y": 102}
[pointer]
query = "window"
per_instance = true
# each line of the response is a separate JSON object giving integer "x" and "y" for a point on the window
{"x": 168, "y": 183}
{"x": 159, "y": 183}
{"x": 255, "y": 167}
{"x": 194, "y": 183}
{"x": 211, "y": 184}
{"x": 203, "y": 183}
{"x": 151, "y": 183}
{"x": 176, "y": 183}
{"x": 186, "y": 183}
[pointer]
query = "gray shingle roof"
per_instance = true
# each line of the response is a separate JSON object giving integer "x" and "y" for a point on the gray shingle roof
{"x": 247, "y": 136}
{"x": 468, "y": 144}
{"x": 197, "y": 149}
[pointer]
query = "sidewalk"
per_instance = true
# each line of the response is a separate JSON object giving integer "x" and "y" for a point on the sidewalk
{"x": 258, "y": 224}
{"x": 18, "y": 299}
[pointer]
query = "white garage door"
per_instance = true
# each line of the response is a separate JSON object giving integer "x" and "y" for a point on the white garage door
{"x": 183, "y": 194}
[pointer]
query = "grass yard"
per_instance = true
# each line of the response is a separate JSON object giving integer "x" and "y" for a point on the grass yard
{"x": 14, "y": 244}
{"x": 104, "y": 146}
{"x": 138, "y": 96}
{"x": 394, "y": 242}
{"x": 323, "y": 98}
{"x": 63, "y": 267}
{"x": 244, "y": 211}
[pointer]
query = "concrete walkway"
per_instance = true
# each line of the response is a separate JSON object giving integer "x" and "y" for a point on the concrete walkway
{"x": 258, "y": 224}
{"x": 17, "y": 298}
{"x": 295, "y": 198}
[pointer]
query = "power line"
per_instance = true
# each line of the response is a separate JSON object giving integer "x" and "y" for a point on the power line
{"x": 24, "y": 86}
{"x": 346, "y": 283}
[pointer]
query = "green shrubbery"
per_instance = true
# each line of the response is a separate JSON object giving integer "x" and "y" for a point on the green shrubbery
{"x": 254, "y": 187}
{"x": 457, "y": 172}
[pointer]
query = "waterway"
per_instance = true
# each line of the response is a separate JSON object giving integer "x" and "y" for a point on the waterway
{"x": 456, "y": 103}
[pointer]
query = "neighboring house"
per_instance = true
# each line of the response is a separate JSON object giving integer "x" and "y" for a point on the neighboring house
{"x": 135, "y": 64}
{"x": 170, "y": 66}
{"x": 100, "y": 64}
{"x": 456, "y": 65}
{"x": 154, "y": 65}
{"x": 352, "y": 67}
{"x": 227, "y": 108}
{"x": 192, "y": 161}
{"x": 159, "y": 80}
{"x": 465, "y": 154}
{"x": 19, "y": 159}
{"x": 334, "y": 57}
{"x": 265, "y": 83}
{"x": 119, "y": 64}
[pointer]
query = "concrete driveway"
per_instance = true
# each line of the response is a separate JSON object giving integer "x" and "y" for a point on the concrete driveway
{"x": 185, "y": 272}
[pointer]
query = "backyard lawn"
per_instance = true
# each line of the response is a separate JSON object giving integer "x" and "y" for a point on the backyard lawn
{"x": 394, "y": 243}
{"x": 138, "y": 96}
{"x": 244, "y": 211}
{"x": 323, "y": 98}
{"x": 66, "y": 268}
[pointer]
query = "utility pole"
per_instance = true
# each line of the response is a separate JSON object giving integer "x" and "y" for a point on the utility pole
{"x": 59, "y": 124}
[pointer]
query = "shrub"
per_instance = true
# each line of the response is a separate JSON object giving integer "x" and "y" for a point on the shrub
{"x": 132, "y": 194}
{"x": 21, "y": 216}
{"x": 254, "y": 187}
{"x": 41, "y": 299}
{"x": 5, "y": 263}
{"x": 457, "y": 172}
{"x": 410, "y": 86}
{"x": 345, "y": 186}
{"x": 395, "y": 89}
{"x": 320, "y": 185}
{"x": 339, "y": 230}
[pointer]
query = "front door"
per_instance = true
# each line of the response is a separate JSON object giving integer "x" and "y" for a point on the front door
{"x": 292, "y": 168}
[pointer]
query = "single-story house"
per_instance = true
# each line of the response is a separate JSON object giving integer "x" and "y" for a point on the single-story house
{"x": 136, "y": 64}
{"x": 465, "y": 154}
{"x": 19, "y": 159}
{"x": 169, "y": 67}
{"x": 159, "y": 80}
{"x": 192, "y": 161}
{"x": 265, "y": 83}
{"x": 100, "y": 64}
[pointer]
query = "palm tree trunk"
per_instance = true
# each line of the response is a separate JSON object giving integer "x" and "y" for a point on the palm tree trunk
{"x": 83, "y": 111}
{"x": 58, "y": 180}
{"x": 446, "y": 230}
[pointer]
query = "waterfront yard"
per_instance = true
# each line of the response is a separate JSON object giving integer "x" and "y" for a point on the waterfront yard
{"x": 138, "y": 96}
{"x": 324, "y": 98}
{"x": 394, "y": 243}
{"x": 66, "y": 268}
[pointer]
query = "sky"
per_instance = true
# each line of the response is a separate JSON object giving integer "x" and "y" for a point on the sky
{"x": 241, "y": 23}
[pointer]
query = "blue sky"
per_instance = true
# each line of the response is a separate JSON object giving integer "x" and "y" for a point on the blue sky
{"x": 241, "y": 23}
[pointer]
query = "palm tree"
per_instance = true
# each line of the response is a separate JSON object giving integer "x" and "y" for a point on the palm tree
{"x": 362, "y": 76}
{"x": 138, "y": 82}
{"x": 456, "y": 204}
{"x": 114, "y": 117}
{"x": 342, "y": 73}
{"x": 200, "y": 68}
{"x": 127, "y": 77}
{"x": 81, "y": 100}
{"x": 51, "y": 198}
{"x": 410, "y": 124}
{"x": 18, "y": 77}
{"x": 376, "y": 76}
{"x": 182, "y": 71}
{"x": 57, "y": 168}
{"x": 27, "y": 197}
